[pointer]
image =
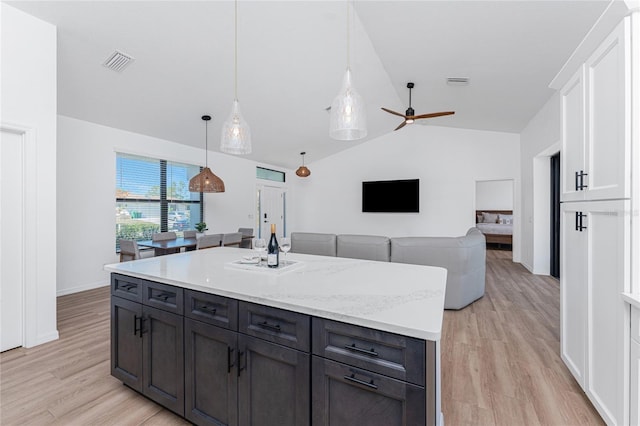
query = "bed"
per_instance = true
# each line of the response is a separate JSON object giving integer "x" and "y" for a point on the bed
{"x": 496, "y": 225}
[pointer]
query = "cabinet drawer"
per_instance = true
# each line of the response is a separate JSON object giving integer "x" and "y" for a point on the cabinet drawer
{"x": 635, "y": 324}
{"x": 163, "y": 296}
{"x": 275, "y": 325}
{"x": 343, "y": 395}
{"x": 126, "y": 287}
{"x": 386, "y": 353}
{"x": 212, "y": 309}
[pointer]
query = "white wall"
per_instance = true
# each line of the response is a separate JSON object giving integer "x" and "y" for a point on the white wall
{"x": 86, "y": 222}
{"x": 28, "y": 102}
{"x": 494, "y": 195}
{"x": 447, "y": 161}
{"x": 540, "y": 139}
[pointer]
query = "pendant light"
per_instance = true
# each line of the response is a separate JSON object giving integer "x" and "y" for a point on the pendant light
{"x": 347, "y": 120}
{"x": 302, "y": 170}
{"x": 206, "y": 181}
{"x": 236, "y": 134}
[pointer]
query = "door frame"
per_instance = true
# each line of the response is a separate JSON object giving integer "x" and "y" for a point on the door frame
{"x": 28, "y": 263}
{"x": 258, "y": 207}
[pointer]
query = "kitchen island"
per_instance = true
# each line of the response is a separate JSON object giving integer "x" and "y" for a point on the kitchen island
{"x": 322, "y": 341}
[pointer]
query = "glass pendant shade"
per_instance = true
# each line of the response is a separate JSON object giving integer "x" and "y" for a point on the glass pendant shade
{"x": 206, "y": 181}
{"x": 236, "y": 134}
{"x": 347, "y": 121}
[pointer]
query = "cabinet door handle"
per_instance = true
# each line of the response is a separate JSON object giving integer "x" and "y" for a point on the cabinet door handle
{"x": 354, "y": 348}
{"x": 352, "y": 378}
{"x": 577, "y": 221}
{"x": 135, "y": 325}
{"x": 581, "y": 227}
{"x": 577, "y": 181}
{"x": 240, "y": 353}
{"x": 212, "y": 311}
{"x": 229, "y": 358}
{"x": 582, "y": 184}
{"x": 274, "y": 327}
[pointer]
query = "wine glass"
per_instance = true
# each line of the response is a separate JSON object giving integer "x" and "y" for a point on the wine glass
{"x": 260, "y": 245}
{"x": 285, "y": 246}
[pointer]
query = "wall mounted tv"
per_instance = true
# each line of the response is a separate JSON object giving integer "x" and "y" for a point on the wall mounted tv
{"x": 391, "y": 196}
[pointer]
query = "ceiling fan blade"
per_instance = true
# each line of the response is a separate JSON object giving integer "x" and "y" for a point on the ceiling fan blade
{"x": 404, "y": 123}
{"x": 393, "y": 112}
{"x": 434, "y": 114}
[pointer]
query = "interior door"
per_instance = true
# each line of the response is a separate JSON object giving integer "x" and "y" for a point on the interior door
{"x": 11, "y": 241}
{"x": 271, "y": 208}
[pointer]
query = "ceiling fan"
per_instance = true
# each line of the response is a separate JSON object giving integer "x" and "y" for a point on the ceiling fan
{"x": 410, "y": 115}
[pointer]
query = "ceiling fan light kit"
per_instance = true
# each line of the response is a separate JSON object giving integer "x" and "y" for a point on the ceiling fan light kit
{"x": 206, "y": 180}
{"x": 236, "y": 134}
{"x": 410, "y": 115}
{"x": 303, "y": 171}
{"x": 347, "y": 119}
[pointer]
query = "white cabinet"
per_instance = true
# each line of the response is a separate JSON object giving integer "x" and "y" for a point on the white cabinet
{"x": 596, "y": 123}
{"x": 594, "y": 317}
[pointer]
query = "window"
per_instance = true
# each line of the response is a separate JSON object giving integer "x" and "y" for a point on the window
{"x": 153, "y": 196}
{"x": 268, "y": 174}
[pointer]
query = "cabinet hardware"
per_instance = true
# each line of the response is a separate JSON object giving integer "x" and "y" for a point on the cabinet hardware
{"x": 577, "y": 181}
{"x": 164, "y": 296}
{"x": 128, "y": 287}
{"x": 212, "y": 311}
{"x": 354, "y": 348}
{"x": 577, "y": 220}
{"x": 581, "y": 216}
{"x": 274, "y": 327}
{"x": 229, "y": 362}
{"x": 135, "y": 325}
{"x": 240, "y": 353}
{"x": 582, "y": 184}
{"x": 352, "y": 378}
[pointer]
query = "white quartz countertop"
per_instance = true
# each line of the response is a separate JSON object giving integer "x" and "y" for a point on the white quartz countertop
{"x": 398, "y": 298}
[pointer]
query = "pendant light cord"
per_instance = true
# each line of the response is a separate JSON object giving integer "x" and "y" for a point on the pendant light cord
{"x": 206, "y": 143}
{"x": 348, "y": 39}
{"x": 235, "y": 84}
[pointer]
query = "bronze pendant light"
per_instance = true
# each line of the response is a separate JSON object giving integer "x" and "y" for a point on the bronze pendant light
{"x": 302, "y": 170}
{"x": 206, "y": 181}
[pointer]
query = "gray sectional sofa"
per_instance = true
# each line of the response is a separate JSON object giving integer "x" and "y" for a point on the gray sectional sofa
{"x": 464, "y": 257}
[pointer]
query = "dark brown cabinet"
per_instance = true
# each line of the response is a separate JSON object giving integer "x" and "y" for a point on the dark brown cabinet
{"x": 146, "y": 342}
{"x": 220, "y": 361}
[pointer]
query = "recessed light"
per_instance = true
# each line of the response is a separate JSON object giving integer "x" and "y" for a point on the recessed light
{"x": 458, "y": 81}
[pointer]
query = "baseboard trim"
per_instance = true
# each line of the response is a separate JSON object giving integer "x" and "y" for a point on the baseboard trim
{"x": 78, "y": 289}
{"x": 43, "y": 338}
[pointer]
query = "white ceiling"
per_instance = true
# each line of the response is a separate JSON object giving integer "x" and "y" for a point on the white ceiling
{"x": 292, "y": 57}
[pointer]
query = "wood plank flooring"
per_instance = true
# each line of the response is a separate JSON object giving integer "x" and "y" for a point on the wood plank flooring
{"x": 500, "y": 363}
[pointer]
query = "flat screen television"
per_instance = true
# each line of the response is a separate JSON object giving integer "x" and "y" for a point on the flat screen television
{"x": 391, "y": 196}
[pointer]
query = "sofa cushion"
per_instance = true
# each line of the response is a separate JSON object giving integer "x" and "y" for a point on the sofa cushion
{"x": 368, "y": 247}
{"x": 313, "y": 243}
{"x": 463, "y": 257}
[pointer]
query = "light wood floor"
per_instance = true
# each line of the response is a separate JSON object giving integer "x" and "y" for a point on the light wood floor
{"x": 500, "y": 363}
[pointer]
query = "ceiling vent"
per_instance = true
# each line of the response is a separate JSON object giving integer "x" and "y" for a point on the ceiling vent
{"x": 118, "y": 61}
{"x": 458, "y": 81}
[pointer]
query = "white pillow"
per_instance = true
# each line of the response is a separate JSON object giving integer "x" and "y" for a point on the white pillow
{"x": 505, "y": 219}
{"x": 489, "y": 217}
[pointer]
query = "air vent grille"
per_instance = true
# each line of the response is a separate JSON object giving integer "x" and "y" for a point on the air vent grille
{"x": 458, "y": 81}
{"x": 118, "y": 61}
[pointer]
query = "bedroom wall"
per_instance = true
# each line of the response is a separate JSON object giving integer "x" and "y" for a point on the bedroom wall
{"x": 447, "y": 161}
{"x": 494, "y": 195}
{"x": 86, "y": 223}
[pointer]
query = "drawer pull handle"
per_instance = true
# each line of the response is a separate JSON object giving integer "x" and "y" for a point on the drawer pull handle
{"x": 164, "y": 296}
{"x": 274, "y": 327}
{"x": 229, "y": 357}
{"x": 354, "y": 348}
{"x": 352, "y": 378}
{"x": 212, "y": 311}
{"x": 128, "y": 287}
{"x": 240, "y": 353}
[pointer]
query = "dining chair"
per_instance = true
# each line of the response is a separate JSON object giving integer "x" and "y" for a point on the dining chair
{"x": 190, "y": 234}
{"x": 232, "y": 239}
{"x": 247, "y": 235}
{"x": 207, "y": 241}
{"x": 164, "y": 236}
{"x": 129, "y": 250}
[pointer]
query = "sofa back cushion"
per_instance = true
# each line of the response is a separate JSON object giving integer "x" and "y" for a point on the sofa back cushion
{"x": 368, "y": 247}
{"x": 313, "y": 243}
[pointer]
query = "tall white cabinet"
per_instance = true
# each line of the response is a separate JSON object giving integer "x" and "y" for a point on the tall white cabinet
{"x": 596, "y": 225}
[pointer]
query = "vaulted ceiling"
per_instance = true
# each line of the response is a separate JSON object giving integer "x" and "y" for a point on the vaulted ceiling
{"x": 291, "y": 59}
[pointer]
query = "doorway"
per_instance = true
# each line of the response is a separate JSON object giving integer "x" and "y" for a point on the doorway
{"x": 554, "y": 261}
{"x": 271, "y": 208}
{"x": 11, "y": 240}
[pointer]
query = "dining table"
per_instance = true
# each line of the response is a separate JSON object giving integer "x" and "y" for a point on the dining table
{"x": 169, "y": 246}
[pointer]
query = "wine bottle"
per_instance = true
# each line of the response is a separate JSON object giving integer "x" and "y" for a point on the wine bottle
{"x": 273, "y": 250}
